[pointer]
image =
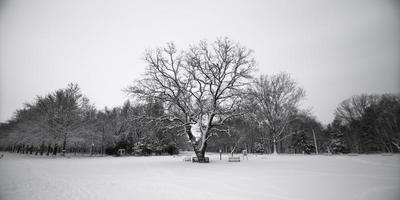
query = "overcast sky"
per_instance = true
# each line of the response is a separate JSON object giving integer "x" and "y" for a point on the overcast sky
{"x": 333, "y": 49}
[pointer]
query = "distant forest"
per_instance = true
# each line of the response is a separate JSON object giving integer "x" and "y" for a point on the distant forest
{"x": 205, "y": 98}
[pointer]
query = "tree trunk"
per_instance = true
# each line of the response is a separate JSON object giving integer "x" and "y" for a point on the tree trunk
{"x": 199, "y": 147}
{"x": 200, "y": 153}
{"x": 64, "y": 147}
{"x": 48, "y": 150}
{"x": 102, "y": 142}
{"x": 55, "y": 149}
{"x": 275, "y": 144}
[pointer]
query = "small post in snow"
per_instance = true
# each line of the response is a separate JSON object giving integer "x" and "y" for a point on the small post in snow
{"x": 245, "y": 154}
{"x": 91, "y": 149}
{"x": 220, "y": 154}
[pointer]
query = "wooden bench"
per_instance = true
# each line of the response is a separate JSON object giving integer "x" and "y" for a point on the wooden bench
{"x": 234, "y": 159}
{"x": 204, "y": 160}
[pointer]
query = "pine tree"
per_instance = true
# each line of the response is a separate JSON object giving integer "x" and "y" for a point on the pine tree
{"x": 337, "y": 142}
{"x": 258, "y": 147}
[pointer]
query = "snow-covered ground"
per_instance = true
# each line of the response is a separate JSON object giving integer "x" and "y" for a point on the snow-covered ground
{"x": 165, "y": 177}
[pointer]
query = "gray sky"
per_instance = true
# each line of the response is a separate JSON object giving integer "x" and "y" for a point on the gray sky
{"x": 333, "y": 49}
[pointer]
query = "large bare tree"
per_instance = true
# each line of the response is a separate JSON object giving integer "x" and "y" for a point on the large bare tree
{"x": 200, "y": 87}
{"x": 275, "y": 104}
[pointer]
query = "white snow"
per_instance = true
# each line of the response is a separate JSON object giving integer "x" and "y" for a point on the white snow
{"x": 165, "y": 177}
{"x": 196, "y": 130}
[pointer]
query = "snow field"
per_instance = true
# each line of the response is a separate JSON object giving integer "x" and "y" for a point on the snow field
{"x": 282, "y": 177}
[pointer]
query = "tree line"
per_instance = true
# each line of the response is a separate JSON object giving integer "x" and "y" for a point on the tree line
{"x": 66, "y": 122}
{"x": 204, "y": 98}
